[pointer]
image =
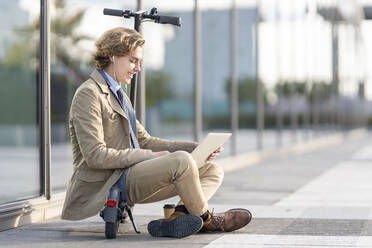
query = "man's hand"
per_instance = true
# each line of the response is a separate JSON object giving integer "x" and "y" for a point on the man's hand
{"x": 215, "y": 153}
{"x": 159, "y": 154}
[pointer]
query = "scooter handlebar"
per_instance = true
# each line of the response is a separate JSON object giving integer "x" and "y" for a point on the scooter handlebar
{"x": 169, "y": 19}
{"x": 158, "y": 18}
{"x": 113, "y": 12}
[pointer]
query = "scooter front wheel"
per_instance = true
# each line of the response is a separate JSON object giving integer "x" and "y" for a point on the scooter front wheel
{"x": 111, "y": 229}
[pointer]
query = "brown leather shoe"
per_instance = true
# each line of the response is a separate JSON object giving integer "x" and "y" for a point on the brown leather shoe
{"x": 228, "y": 221}
{"x": 178, "y": 225}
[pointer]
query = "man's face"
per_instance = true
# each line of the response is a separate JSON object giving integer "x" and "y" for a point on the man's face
{"x": 126, "y": 67}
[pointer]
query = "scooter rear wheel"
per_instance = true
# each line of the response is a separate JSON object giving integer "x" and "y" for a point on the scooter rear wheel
{"x": 111, "y": 229}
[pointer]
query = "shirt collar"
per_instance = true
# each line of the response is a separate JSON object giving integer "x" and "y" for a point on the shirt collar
{"x": 114, "y": 86}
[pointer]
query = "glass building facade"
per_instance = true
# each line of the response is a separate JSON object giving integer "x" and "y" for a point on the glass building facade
{"x": 19, "y": 126}
{"x": 273, "y": 72}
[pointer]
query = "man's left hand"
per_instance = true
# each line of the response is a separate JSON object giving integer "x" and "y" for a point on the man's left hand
{"x": 215, "y": 153}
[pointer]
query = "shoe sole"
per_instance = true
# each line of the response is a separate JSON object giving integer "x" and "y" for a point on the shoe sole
{"x": 182, "y": 226}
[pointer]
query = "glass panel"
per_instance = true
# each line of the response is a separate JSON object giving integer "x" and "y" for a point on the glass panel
{"x": 75, "y": 26}
{"x": 268, "y": 70}
{"x": 19, "y": 146}
{"x": 216, "y": 68}
{"x": 246, "y": 139}
{"x": 169, "y": 72}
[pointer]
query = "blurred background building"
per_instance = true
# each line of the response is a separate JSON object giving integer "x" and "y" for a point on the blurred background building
{"x": 272, "y": 72}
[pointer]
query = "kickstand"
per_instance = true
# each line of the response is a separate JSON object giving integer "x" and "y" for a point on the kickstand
{"x": 131, "y": 218}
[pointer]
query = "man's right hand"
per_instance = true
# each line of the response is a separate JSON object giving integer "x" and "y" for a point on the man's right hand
{"x": 159, "y": 154}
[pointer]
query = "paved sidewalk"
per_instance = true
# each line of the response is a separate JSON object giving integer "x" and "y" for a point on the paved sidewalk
{"x": 312, "y": 199}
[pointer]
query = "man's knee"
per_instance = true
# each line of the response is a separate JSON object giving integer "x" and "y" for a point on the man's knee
{"x": 182, "y": 156}
{"x": 216, "y": 171}
{"x": 183, "y": 162}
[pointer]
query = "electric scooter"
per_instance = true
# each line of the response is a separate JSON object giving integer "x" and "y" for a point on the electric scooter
{"x": 116, "y": 208}
{"x": 114, "y": 212}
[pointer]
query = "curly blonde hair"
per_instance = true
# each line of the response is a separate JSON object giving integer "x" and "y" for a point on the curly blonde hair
{"x": 118, "y": 41}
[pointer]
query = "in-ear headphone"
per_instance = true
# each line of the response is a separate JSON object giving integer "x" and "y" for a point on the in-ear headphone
{"x": 113, "y": 59}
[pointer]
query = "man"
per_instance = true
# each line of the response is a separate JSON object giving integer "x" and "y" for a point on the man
{"x": 109, "y": 143}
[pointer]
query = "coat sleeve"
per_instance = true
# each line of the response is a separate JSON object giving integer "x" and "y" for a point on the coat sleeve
{"x": 156, "y": 144}
{"x": 86, "y": 116}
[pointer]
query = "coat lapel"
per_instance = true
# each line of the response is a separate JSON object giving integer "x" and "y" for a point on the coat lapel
{"x": 97, "y": 77}
{"x": 115, "y": 104}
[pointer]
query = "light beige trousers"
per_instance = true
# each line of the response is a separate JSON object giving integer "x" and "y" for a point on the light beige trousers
{"x": 174, "y": 174}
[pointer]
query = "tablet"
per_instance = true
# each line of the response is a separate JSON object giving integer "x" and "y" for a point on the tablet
{"x": 209, "y": 145}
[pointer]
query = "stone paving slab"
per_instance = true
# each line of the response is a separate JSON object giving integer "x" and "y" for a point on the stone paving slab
{"x": 274, "y": 241}
{"x": 315, "y": 199}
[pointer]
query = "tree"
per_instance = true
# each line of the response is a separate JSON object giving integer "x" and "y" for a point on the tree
{"x": 320, "y": 90}
{"x": 285, "y": 88}
{"x": 64, "y": 37}
{"x": 247, "y": 88}
{"x": 157, "y": 87}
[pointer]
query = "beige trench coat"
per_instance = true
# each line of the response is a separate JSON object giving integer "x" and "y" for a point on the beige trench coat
{"x": 99, "y": 132}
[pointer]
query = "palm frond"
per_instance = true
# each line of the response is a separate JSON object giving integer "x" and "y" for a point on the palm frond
{"x": 78, "y": 38}
{"x": 59, "y": 4}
